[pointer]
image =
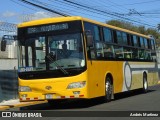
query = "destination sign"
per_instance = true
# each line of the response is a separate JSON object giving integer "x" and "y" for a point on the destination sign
{"x": 47, "y": 28}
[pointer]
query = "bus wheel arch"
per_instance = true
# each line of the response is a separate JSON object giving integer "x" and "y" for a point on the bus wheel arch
{"x": 108, "y": 88}
{"x": 145, "y": 82}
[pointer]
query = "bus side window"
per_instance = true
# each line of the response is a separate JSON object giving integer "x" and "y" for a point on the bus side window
{"x": 92, "y": 29}
{"x": 119, "y": 52}
{"x": 99, "y": 50}
{"x": 148, "y": 55}
{"x": 134, "y": 54}
{"x": 127, "y": 53}
{"x": 108, "y": 51}
{"x": 141, "y": 54}
{"x": 152, "y": 44}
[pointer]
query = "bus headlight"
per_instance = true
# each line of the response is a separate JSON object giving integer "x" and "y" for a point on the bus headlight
{"x": 24, "y": 89}
{"x": 76, "y": 85}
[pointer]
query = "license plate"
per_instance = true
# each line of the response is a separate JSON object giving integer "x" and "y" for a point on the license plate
{"x": 49, "y": 96}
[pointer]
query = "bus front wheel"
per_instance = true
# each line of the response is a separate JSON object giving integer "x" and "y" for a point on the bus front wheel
{"x": 108, "y": 90}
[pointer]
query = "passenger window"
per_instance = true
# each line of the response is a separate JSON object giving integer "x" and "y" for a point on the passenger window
{"x": 118, "y": 52}
{"x": 119, "y": 37}
{"x": 135, "y": 41}
{"x": 104, "y": 51}
{"x": 124, "y": 36}
{"x": 96, "y": 33}
{"x": 108, "y": 51}
{"x": 99, "y": 50}
{"x": 145, "y": 43}
{"x": 148, "y": 55}
{"x": 141, "y": 42}
{"x": 141, "y": 54}
{"x": 153, "y": 44}
{"x": 107, "y": 35}
{"x": 127, "y": 53}
{"x": 135, "y": 54}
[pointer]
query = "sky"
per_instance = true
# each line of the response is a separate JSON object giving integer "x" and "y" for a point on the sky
{"x": 138, "y": 12}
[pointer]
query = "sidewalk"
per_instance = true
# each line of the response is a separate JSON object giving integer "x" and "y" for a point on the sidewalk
{"x": 15, "y": 103}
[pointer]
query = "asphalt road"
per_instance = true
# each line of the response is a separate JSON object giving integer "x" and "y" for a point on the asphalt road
{"x": 132, "y": 102}
{"x": 129, "y": 101}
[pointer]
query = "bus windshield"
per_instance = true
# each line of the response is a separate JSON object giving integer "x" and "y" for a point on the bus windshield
{"x": 51, "y": 52}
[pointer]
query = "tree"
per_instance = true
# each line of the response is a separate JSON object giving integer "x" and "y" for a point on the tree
{"x": 158, "y": 27}
{"x": 140, "y": 29}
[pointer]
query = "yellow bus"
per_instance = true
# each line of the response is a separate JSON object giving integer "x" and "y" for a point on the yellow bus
{"x": 78, "y": 58}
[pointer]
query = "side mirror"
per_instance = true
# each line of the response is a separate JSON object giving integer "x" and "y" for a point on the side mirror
{"x": 89, "y": 38}
{"x": 3, "y": 45}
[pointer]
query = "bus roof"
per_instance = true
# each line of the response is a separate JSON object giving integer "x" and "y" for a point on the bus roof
{"x": 73, "y": 18}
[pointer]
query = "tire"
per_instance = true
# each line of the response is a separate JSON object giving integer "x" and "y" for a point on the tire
{"x": 145, "y": 84}
{"x": 108, "y": 90}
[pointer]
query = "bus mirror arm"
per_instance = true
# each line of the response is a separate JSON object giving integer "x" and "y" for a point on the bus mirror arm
{"x": 89, "y": 39}
{"x": 89, "y": 53}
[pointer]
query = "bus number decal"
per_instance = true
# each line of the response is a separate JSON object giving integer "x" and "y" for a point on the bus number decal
{"x": 25, "y": 69}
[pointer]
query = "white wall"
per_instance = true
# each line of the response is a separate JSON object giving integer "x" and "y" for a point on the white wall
{"x": 8, "y": 64}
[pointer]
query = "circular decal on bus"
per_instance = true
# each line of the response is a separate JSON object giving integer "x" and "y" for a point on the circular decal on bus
{"x": 127, "y": 76}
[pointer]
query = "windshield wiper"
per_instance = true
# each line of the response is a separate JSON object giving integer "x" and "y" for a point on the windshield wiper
{"x": 51, "y": 58}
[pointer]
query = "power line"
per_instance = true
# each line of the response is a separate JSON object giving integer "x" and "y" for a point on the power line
{"x": 82, "y": 7}
{"x": 44, "y": 8}
{"x": 112, "y": 14}
{"x": 22, "y": 5}
{"x": 73, "y": 9}
{"x": 139, "y": 3}
{"x": 132, "y": 11}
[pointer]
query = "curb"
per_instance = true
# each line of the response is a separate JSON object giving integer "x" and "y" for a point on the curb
{"x": 21, "y": 104}
{"x": 4, "y": 107}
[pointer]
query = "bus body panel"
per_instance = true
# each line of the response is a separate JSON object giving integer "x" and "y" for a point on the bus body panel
{"x": 137, "y": 71}
{"x": 127, "y": 75}
{"x": 58, "y": 87}
{"x": 97, "y": 71}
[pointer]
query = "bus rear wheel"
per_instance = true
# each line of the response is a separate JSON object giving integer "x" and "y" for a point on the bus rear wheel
{"x": 108, "y": 90}
{"x": 145, "y": 83}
